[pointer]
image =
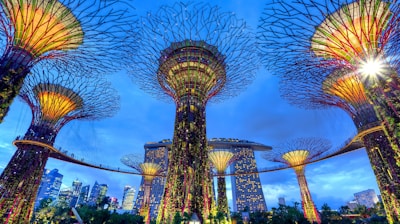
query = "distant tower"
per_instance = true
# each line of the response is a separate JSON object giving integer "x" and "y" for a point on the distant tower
{"x": 192, "y": 53}
{"x": 76, "y": 190}
{"x": 297, "y": 154}
{"x": 367, "y": 198}
{"x": 220, "y": 160}
{"x": 155, "y": 152}
{"x": 281, "y": 201}
{"x": 334, "y": 44}
{"x": 65, "y": 197}
{"x": 83, "y": 195}
{"x": 97, "y": 194}
{"x": 54, "y": 100}
{"x": 149, "y": 172}
{"x": 60, "y": 35}
{"x": 49, "y": 186}
{"x": 246, "y": 187}
{"x": 128, "y": 198}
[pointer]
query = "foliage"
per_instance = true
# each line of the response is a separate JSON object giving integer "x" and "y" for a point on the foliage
{"x": 89, "y": 215}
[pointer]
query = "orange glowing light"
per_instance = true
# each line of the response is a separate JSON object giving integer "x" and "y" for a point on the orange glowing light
{"x": 55, "y": 105}
{"x": 220, "y": 159}
{"x": 346, "y": 86}
{"x": 149, "y": 170}
{"x": 353, "y": 32}
{"x": 296, "y": 157}
{"x": 42, "y": 26}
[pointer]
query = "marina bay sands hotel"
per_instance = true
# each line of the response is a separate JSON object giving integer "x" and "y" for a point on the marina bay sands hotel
{"x": 246, "y": 189}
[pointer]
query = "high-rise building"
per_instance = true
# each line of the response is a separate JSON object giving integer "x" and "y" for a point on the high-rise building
{"x": 97, "y": 194}
{"x": 113, "y": 204}
{"x": 352, "y": 204}
{"x": 251, "y": 195}
{"x": 155, "y": 152}
{"x": 76, "y": 189}
{"x": 49, "y": 186}
{"x": 246, "y": 189}
{"x": 65, "y": 197}
{"x": 128, "y": 198}
{"x": 367, "y": 198}
{"x": 281, "y": 201}
{"x": 83, "y": 195}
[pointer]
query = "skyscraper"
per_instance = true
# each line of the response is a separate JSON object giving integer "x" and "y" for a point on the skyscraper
{"x": 128, "y": 198}
{"x": 155, "y": 152}
{"x": 250, "y": 195}
{"x": 76, "y": 189}
{"x": 246, "y": 189}
{"x": 65, "y": 197}
{"x": 281, "y": 201}
{"x": 49, "y": 186}
{"x": 83, "y": 195}
{"x": 94, "y": 194}
{"x": 367, "y": 198}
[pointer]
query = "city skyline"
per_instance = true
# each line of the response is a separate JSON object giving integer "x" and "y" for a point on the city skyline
{"x": 258, "y": 114}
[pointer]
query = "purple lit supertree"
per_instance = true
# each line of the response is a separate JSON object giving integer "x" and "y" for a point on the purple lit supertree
{"x": 322, "y": 51}
{"x": 149, "y": 171}
{"x": 83, "y": 37}
{"x": 192, "y": 53}
{"x": 296, "y": 154}
{"x": 54, "y": 100}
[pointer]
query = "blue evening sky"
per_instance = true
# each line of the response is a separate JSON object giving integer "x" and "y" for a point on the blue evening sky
{"x": 258, "y": 114}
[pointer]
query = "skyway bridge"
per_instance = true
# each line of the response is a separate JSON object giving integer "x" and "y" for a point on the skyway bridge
{"x": 350, "y": 145}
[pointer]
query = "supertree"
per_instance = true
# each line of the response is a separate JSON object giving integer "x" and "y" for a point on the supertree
{"x": 220, "y": 160}
{"x": 54, "y": 100}
{"x": 149, "y": 171}
{"x": 317, "y": 46}
{"x": 344, "y": 90}
{"x": 192, "y": 53}
{"x": 296, "y": 154}
{"x": 83, "y": 37}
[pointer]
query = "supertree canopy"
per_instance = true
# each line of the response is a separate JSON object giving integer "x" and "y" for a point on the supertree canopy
{"x": 87, "y": 38}
{"x": 192, "y": 53}
{"x": 297, "y": 153}
{"x": 307, "y": 40}
{"x": 54, "y": 100}
{"x": 149, "y": 171}
{"x": 220, "y": 160}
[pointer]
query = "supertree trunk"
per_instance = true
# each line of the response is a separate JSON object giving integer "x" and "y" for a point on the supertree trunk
{"x": 379, "y": 151}
{"x": 20, "y": 182}
{"x": 188, "y": 183}
{"x": 21, "y": 178}
{"x": 310, "y": 212}
{"x": 385, "y": 95}
{"x": 145, "y": 209}
{"x": 222, "y": 199}
{"x": 14, "y": 67}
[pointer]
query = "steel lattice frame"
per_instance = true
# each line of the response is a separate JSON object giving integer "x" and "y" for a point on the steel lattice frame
{"x": 303, "y": 46}
{"x": 192, "y": 53}
{"x": 54, "y": 100}
{"x": 297, "y": 153}
{"x": 149, "y": 171}
{"x": 220, "y": 160}
{"x": 87, "y": 38}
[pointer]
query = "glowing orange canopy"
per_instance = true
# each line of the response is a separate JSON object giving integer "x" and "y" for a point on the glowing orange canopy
{"x": 220, "y": 159}
{"x": 56, "y": 101}
{"x": 43, "y": 25}
{"x": 353, "y": 32}
{"x": 347, "y": 86}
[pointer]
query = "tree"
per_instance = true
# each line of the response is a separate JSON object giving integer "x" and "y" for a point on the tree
{"x": 177, "y": 218}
